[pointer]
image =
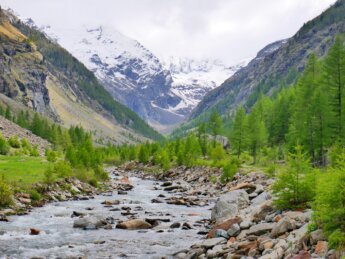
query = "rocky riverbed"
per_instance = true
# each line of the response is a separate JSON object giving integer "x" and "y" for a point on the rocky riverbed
{"x": 175, "y": 214}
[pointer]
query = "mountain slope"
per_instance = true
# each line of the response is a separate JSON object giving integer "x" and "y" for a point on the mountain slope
{"x": 130, "y": 73}
{"x": 45, "y": 77}
{"x": 276, "y": 64}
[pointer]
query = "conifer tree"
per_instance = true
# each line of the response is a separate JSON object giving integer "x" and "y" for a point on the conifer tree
{"x": 239, "y": 131}
{"x": 334, "y": 67}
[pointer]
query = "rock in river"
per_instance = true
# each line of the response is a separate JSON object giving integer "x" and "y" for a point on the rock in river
{"x": 134, "y": 224}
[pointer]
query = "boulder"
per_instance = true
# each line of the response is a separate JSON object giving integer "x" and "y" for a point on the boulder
{"x": 260, "y": 229}
{"x": 221, "y": 233}
{"x": 228, "y": 205}
{"x": 296, "y": 215}
{"x": 317, "y": 236}
{"x": 234, "y": 230}
{"x": 224, "y": 226}
{"x": 264, "y": 196}
{"x": 209, "y": 243}
{"x": 89, "y": 223}
{"x": 175, "y": 225}
{"x": 134, "y": 224}
{"x": 263, "y": 210}
{"x": 284, "y": 225}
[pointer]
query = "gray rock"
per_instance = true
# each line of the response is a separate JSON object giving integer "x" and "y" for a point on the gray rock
{"x": 260, "y": 229}
{"x": 316, "y": 236}
{"x": 296, "y": 215}
{"x": 234, "y": 230}
{"x": 261, "y": 198}
{"x": 227, "y": 205}
{"x": 209, "y": 243}
{"x": 284, "y": 225}
{"x": 215, "y": 251}
{"x": 221, "y": 233}
{"x": 246, "y": 224}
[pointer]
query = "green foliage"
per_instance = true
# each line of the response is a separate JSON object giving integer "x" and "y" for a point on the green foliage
{"x": 35, "y": 195}
{"x": 4, "y": 147}
{"x": 34, "y": 151}
{"x": 101, "y": 174}
{"x": 6, "y": 198}
{"x": 14, "y": 142}
{"x": 215, "y": 123}
{"x": 230, "y": 169}
{"x": 329, "y": 205}
{"x": 238, "y": 132}
{"x": 295, "y": 186}
{"x": 49, "y": 175}
{"x": 51, "y": 155}
{"x": 143, "y": 155}
{"x": 217, "y": 153}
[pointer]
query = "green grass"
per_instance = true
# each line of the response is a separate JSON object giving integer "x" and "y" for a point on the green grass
{"x": 22, "y": 171}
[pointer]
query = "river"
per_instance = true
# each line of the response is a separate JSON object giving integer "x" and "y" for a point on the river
{"x": 58, "y": 238}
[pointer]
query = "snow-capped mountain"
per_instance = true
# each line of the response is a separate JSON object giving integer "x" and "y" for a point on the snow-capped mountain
{"x": 162, "y": 93}
{"x": 193, "y": 79}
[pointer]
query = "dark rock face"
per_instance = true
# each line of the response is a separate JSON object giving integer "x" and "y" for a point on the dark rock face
{"x": 23, "y": 75}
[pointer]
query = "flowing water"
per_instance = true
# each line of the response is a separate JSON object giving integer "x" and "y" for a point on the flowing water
{"x": 58, "y": 238}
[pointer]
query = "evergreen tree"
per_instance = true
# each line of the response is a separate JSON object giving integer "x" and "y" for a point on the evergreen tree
{"x": 215, "y": 123}
{"x": 202, "y": 138}
{"x": 257, "y": 133}
{"x": 334, "y": 67}
{"x": 239, "y": 131}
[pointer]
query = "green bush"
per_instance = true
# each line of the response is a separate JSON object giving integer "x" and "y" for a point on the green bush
{"x": 329, "y": 205}
{"x": 4, "y": 147}
{"x": 101, "y": 174}
{"x": 14, "y": 142}
{"x": 51, "y": 155}
{"x": 34, "y": 151}
{"x": 295, "y": 186}
{"x": 6, "y": 198}
{"x": 25, "y": 143}
{"x": 62, "y": 169}
{"x": 49, "y": 175}
{"x": 35, "y": 195}
{"x": 230, "y": 169}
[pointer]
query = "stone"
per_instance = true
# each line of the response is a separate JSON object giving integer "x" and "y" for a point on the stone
{"x": 263, "y": 210}
{"x": 216, "y": 251}
{"x": 296, "y": 215}
{"x": 34, "y": 231}
{"x": 186, "y": 226}
{"x": 296, "y": 237}
{"x": 284, "y": 225}
{"x": 316, "y": 236}
{"x": 77, "y": 214}
{"x": 221, "y": 233}
{"x": 246, "y": 224}
{"x": 113, "y": 202}
{"x": 260, "y": 229}
{"x": 89, "y": 223}
{"x": 264, "y": 196}
{"x": 249, "y": 187}
{"x": 228, "y": 205}
{"x": 209, "y": 243}
{"x": 175, "y": 225}
{"x": 321, "y": 248}
{"x": 24, "y": 200}
{"x": 134, "y": 224}
{"x": 225, "y": 226}
{"x": 234, "y": 230}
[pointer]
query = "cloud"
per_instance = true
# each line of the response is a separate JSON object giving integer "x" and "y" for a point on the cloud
{"x": 225, "y": 29}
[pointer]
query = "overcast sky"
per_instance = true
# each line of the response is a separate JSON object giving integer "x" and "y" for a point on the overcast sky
{"x": 231, "y": 30}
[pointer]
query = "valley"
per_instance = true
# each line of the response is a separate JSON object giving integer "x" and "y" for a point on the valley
{"x": 111, "y": 149}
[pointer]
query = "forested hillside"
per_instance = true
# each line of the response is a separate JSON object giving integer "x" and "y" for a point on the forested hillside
{"x": 269, "y": 73}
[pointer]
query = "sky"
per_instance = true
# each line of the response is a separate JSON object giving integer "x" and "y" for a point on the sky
{"x": 229, "y": 30}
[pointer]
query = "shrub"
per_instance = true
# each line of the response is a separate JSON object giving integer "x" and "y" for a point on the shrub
{"x": 62, "y": 169}
{"x": 4, "y": 147}
{"x": 329, "y": 205}
{"x": 101, "y": 174}
{"x": 49, "y": 175}
{"x": 217, "y": 153}
{"x": 25, "y": 143}
{"x": 294, "y": 187}
{"x": 35, "y": 195}
{"x": 164, "y": 160}
{"x": 34, "y": 151}
{"x": 14, "y": 142}
{"x": 51, "y": 155}
{"x": 230, "y": 169}
{"x": 5, "y": 195}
